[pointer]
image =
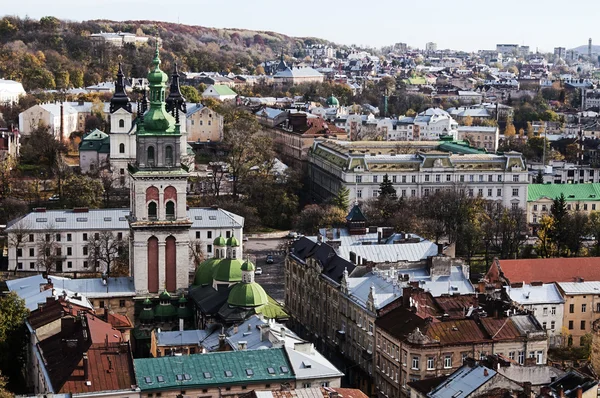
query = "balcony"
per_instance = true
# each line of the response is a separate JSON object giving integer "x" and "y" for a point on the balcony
{"x": 367, "y": 354}
{"x": 341, "y": 335}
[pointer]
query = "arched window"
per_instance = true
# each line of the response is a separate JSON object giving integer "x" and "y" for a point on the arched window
{"x": 170, "y": 210}
{"x": 151, "y": 156}
{"x": 121, "y": 148}
{"x": 121, "y": 123}
{"x": 152, "y": 215}
{"x": 169, "y": 156}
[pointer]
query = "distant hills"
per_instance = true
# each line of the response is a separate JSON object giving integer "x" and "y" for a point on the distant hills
{"x": 584, "y": 49}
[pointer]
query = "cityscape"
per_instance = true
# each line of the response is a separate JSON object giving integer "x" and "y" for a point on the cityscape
{"x": 190, "y": 211}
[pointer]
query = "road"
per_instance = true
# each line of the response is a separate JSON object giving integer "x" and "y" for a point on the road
{"x": 272, "y": 278}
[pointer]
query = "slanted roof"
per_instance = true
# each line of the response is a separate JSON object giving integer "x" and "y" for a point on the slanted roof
{"x": 546, "y": 293}
{"x": 356, "y": 215}
{"x": 548, "y": 270}
{"x": 572, "y": 192}
{"x": 213, "y": 369}
{"x": 466, "y": 380}
{"x": 333, "y": 265}
{"x": 221, "y": 89}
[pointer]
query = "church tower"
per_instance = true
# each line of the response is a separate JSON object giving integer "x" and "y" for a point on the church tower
{"x": 158, "y": 223}
{"x": 122, "y": 139}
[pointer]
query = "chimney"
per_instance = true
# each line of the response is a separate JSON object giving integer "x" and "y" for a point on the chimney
{"x": 485, "y": 372}
{"x": 235, "y": 329}
{"x": 221, "y": 341}
{"x": 264, "y": 332}
{"x": 527, "y": 389}
{"x": 242, "y": 345}
{"x": 86, "y": 365}
{"x": 561, "y": 392}
{"x": 579, "y": 391}
{"x": 249, "y": 327}
{"x": 282, "y": 332}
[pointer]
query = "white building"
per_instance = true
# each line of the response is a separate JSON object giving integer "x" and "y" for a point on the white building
{"x": 10, "y": 91}
{"x": 435, "y": 122}
{"x": 361, "y": 166}
{"x": 430, "y": 47}
{"x": 480, "y": 136}
{"x": 60, "y": 117}
{"x": 546, "y": 303}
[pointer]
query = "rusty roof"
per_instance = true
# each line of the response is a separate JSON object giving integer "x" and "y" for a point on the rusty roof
{"x": 119, "y": 321}
{"x": 51, "y": 311}
{"x": 456, "y": 306}
{"x": 456, "y": 332}
{"x": 501, "y": 328}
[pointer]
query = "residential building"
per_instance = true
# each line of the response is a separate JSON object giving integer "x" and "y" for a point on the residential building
{"x": 507, "y": 49}
{"x": 294, "y": 76}
{"x": 560, "y": 52}
{"x": 361, "y": 166}
{"x": 545, "y": 302}
{"x": 480, "y": 137}
{"x": 322, "y": 392}
{"x": 215, "y": 374}
{"x": 94, "y": 149}
{"x": 271, "y": 117}
{"x": 117, "y": 39}
{"x": 9, "y": 143}
{"x": 434, "y": 123}
{"x": 591, "y": 99}
{"x": 545, "y": 270}
{"x": 179, "y": 342}
{"x": 430, "y": 47}
{"x": 10, "y": 91}
{"x": 402, "y": 129}
{"x": 417, "y": 349}
{"x": 582, "y": 309}
{"x": 219, "y": 92}
{"x": 579, "y": 197}
{"x": 61, "y": 118}
{"x": 572, "y": 385}
{"x": 561, "y": 172}
{"x": 469, "y": 97}
{"x": 203, "y": 124}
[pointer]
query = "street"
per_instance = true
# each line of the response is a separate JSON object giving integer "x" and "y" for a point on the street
{"x": 272, "y": 278}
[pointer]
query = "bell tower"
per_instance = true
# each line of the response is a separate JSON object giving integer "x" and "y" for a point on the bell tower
{"x": 158, "y": 223}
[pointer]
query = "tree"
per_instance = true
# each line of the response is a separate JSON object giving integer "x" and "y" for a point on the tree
{"x": 546, "y": 247}
{"x": 560, "y": 217}
{"x": 82, "y": 191}
{"x": 48, "y": 250}
{"x": 218, "y": 170}
{"x": 259, "y": 70}
{"x": 529, "y": 131}
{"x": 342, "y": 199}
{"x": 42, "y": 149}
{"x": 539, "y": 178}
{"x": 19, "y": 232}
{"x": 197, "y": 251}
{"x": 190, "y": 93}
{"x": 594, "y": 230}
{"x": 510, "y": 132}
{"x": 313, "y": 217}
{"x": 13, "y": 340}
{"x": 468, "y": 121}
{"x": 386, "y": 188}
{"x": 7, "y": 166}
{"x": 104, "y": 250}
{"x": 4, "y": 393}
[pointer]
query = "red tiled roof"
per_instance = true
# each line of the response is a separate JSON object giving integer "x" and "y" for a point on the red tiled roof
{"x": 99, "y": 330}
{"x": 119, "y": 321}
{"x": 548, "y": 270}
{"x": 52, "y": 310}
{"x": 456, "y": 332}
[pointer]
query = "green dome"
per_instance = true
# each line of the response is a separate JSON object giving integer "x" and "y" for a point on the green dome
{"x": 247, "y": 295}
{"x": 232, "y": 241}
{"x": 157, "y": 76}
{"x": 204, "y": 272}
{"x": 228, "y": 270}
{"x": 165, "y": 311}
{"x": 220, "y": 241}
{"x": 183, "y": 311}
{"x": 147, "y": 315}
{"x": 332, "y": 101}
{"x": 248, "y": 266}
{"x": 147, "y": 302}
{"x": 164, "y": 295}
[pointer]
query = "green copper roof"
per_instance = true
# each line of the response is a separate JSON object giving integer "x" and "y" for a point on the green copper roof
{"x": 184, "y": 312}
{"x": 228, "y": 270}
{"x": 248, "y": 266}
{"x": 222, "y": 89}
{"x": 270, "y": 366}
{"x": 459, "y": 147}
{"x": 332, "y": 101}
{"x": 147, "y": 301}
{"x": 157, "y": 121}
{"x": 96, "y": 141}
{"x": 147, "y": 314}
{"x": 165, "y": 311}
{"x": 272, "y": 310}
{"x": 220, "y": 241}
{"x": 232, "y": 241}
{"x": 164, "y": 295}
{"x": 204, "y": 272}
{"x": 247, "y": 295}
{"x": 572, "y": 192}
{"x": 356, "y": 214}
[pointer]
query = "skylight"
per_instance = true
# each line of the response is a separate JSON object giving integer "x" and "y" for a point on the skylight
{"x": 284, "y": 369}
{"x": 148, "y": 379}
{"x": 212, "y": 217}
{"x": 271, "y": 371}
{"x": 207, "y": 375}
{"x": 179, "y": 377}
{"x": 249, "y": 372}
{"x": 228, "y": 373}
{"x": 160, "y": 379}
{"x": 81, "y": 219}
{"x": 187, "y": 377}
{"x": 60, "y": 219}
{"x": 107, "y": 218}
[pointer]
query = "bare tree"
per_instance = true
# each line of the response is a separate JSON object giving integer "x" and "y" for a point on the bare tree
{"x": 197, "y": 251}
{"x": 19, "y": 232}
{"x": 48, "y": 249}
{"x": 105, "y": 249}
{"x": 218, "y": 173}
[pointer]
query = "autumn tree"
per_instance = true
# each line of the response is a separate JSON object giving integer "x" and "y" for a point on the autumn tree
{"x": 104, "y": 249}
{"x": 190, "y": 93}
{"x": 82, "y": 191}
{"x": 313, "y": 217}
{"x": 468, "y": 121}
{"x": 48, "y": 250}
{"x": 509, "y": 131}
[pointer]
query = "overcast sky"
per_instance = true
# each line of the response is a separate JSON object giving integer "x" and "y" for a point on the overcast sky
{"x": 458, "y": 24}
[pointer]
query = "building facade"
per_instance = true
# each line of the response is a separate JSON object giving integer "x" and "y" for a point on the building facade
{"x": 203, "y": 124}
{"x": 582, "y": 306}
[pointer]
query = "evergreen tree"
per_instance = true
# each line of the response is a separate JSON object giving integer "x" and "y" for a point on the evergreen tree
{"x": 386, "y": 189}
{"x": 539, "y": 178}
{"x": 559, "y": 231}
{"x": 342, "y": 199}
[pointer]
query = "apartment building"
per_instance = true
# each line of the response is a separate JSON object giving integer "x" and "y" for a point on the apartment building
{"x": 582, "y": 309}
{"x": 66, "y": 236}
{"x": 561, "y": 172}
{"x": 361, "y": 166}
{"x": 579, "y": 197}
{"x": 411, "y": 348}
{"x": 480, "y": 136}
{"x": 203, "y": 124}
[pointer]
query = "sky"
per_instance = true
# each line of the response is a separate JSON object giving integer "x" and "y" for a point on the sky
{"x": 456, "y": 24}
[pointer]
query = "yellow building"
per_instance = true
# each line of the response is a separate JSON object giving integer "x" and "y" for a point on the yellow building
{"x": 579, "y": 197}
{"x": 582, "y": 309}
{"x": 203, "y": 124}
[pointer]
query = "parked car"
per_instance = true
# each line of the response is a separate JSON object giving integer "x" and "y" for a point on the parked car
{"x": 258, "y": 271}
{"x": 245, "y": 239}
{"x": 292, "y": 235}
{"x": 269, "y": 259}
{"x": 54, "y": 198}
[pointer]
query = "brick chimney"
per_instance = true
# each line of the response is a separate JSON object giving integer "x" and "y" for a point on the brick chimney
{"x": 579, "y": 392}
{"x": 527, "y": 389}
{"x": 86, "y": 365}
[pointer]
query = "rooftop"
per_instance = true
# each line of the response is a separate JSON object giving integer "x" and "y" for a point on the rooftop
{"x": 463, "y": 382}
{"x": 548, "y": 270}
{"x": 546, "y": 293}
{"x": 580, "y": 287}
{"x": 572, "y": 192}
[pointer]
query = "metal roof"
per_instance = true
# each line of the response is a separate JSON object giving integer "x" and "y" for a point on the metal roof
{"x": 572, "y": 192}
{"x": 29, "y": 290}
{"x": 213, "y": 369}
{"x": 542, "y": 294}
{"x": 463, "y": 382}
{"x": 177, "y": 338}
{"x": 391, "y": 252}
{"x": 580, "y": 287}
{"x": 95, "y": 288}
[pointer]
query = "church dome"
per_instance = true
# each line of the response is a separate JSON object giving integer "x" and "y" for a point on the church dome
{"x": 228, "y": 270}
{"x": 220, "y": 241}
{"x": 233, "y": 242}
{"x": 332, "y": 101}
{"x": 248, "y": 266}
{"x": 205, "y": 270}
{"x": 247, "y": 295}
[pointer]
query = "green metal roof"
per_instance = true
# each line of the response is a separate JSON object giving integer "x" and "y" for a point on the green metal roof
{"x": 572, "y": 192}
{"x": 219, "y": 241}
{"x": 222, "y": 89}
{"x": 459, "y": 147}
{"x": 272, "y": 310}
{"x": 248, "y": 266}
{"x": 204, "y": 272}
{"x": 96, "y": 141}
{"x": 228, "y": 270}
{"x": 213, "y": 369}
{"x": 247, "y": 295}
{"x": 332, "y": 101}
{"x": 232, "y": 241}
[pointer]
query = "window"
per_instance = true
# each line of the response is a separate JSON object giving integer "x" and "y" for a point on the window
{"x": 31, "y": 265}
{"x": 582, "y": 326}
{"x": 394, "y": 179}
{"x": 325, "y": 384}
{"x": 121, "y": 148}
{"x": 571, "y": 308}
{"x": 404, "y": 358}
{"x": 570, "y": 325}
{"x": 69, "y": 264}
{"x": 553, "y": 310}
{"x": 58, "y": 237}
{"x": 359, "y": 193}
{"x": 426, "y": 177}
{"x": 85, "y": 250}
{"x": 374, "y": 178}
{"x": 208, "y": 234}
{"x": 415, "y": 363}
{"x": 150, "y": 156}
{"x": 101, "y": 304}
{"x": 430, "y": 363}
{"x": 170, "y": 210}
{"x": 85, "y": 237}
{"x": 20, "y": 265}
{"x": 470, "y": 192}
{"x": 544, "y": 325}
{"x": 403, "y": 179}
{"x": 20, "y": 252}
{"x": 480, "y": 192}
{"x": 31, "y": 252}
{"x": 413, "y": 178}
{"x": 448, "y": 178}
{"x": 534, "y": 207}
{"x": 471, "y": 178}
{"x": 515, "y": 192}
{"x": 521, "y": 357}
{"x": 482, "y": 355}
{"x": 69, "y": 251}
{"x": 490, "y": 178}
{"x": 552, "y": 325}
{"x": 152, "y": 215}
{"x": 169, "y": 156}
{"x": 464, "y": 356}
{"x": 539, "y": 355}
{"x": 413, "y": 192}
{"x": 481, "y": 178}
{"x": 209, "y": 248}
{"x": 490, "y": 192}
{"x": 515, "y": 178}
{"x": 545, "y": 310}
{"x": 585, "y": 206}
{"x": 69, "y": 238}
{"x": 31, "y": 237}
{"x": 499, "y": 192}
{"x": 461, "y": 178}
{"x": 448, "y": 361}
{"x": 358, "y": 179}
{"x": 438, "y": 178}
{"x": 121, "y": 124}
{"x": 306, "y": 385}
{"x": 500, "y": 178}
{"x": 583, "y": 307}
{"x": 511, "y": 355}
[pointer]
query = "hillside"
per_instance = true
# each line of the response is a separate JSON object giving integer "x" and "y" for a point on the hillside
{"x": 57, "y": 54}
{"x": 584, "y": 49}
